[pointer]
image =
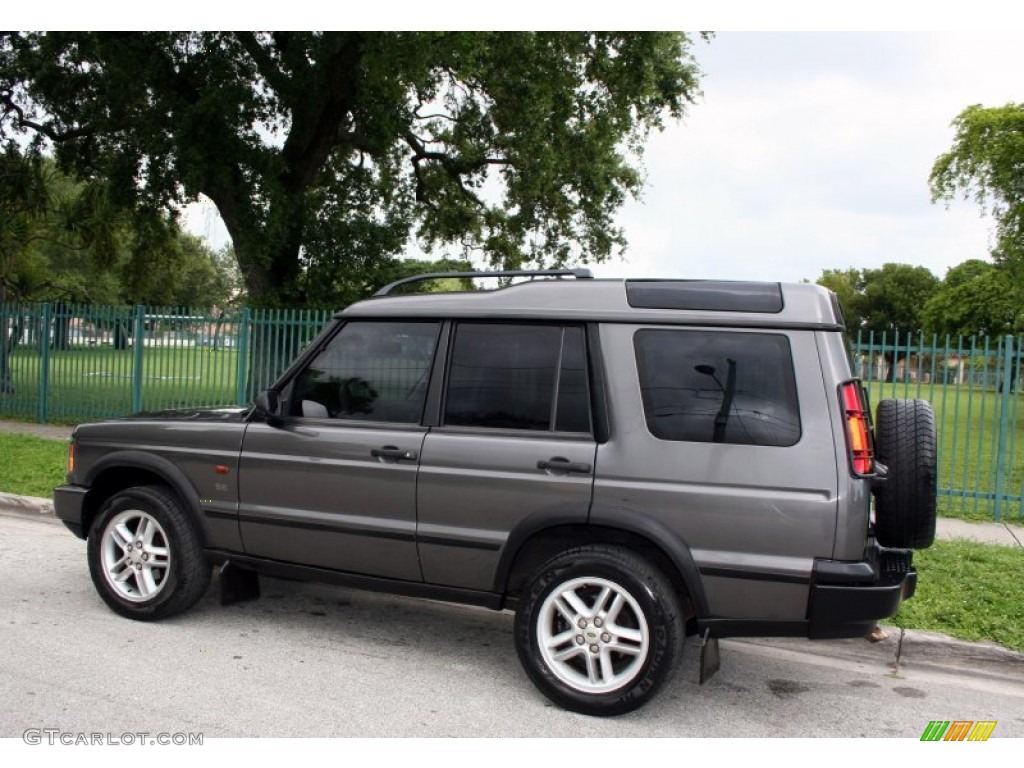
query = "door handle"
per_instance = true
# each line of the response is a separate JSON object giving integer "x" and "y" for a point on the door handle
{"x": 562, "y": 464}
{"x": 393, "y": 453}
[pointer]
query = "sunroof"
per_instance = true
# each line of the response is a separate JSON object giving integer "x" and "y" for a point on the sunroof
{"x": 709, "y": 295}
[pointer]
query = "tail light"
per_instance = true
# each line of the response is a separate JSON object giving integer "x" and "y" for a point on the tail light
{"x": 858, "y": 429}
{"x": 71, "y": 459}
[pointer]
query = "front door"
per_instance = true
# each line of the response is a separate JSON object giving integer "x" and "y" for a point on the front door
{"x": 333, "y": 484}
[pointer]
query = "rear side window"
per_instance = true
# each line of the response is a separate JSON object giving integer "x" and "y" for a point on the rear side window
{"x": 508, "y": 376}
{"x": 718, "y": 387}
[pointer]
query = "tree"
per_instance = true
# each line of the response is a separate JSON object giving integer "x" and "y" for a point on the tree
{"x": 885, "y": 301}
{"x": 61, "y": 240}
{"x": 975, "y": 298}
{"x": 881, "y": 300}
{"x": 848, "y": 286}
{"x": 325, "y": 152}
{"x": 986, "y": 162}
{"x": 894, "y": 296}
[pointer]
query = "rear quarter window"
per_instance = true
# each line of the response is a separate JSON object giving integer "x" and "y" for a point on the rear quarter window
{"x": 718, "y": 386}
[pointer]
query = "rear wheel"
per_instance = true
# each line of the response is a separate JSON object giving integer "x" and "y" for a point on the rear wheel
{"x": 905, "y": 503}
{"x": 599, "y": 630}
{"x": 145, "y": 556}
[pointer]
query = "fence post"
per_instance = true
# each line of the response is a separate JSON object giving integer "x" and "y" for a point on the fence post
{"x": 242, "y": 377}
{"x": 44, "y": 362}
{"x": 1004, "y": 424}
{"x": 139, "y": 338}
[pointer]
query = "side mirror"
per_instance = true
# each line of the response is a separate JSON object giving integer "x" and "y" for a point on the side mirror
{"x": 267, "y": 404}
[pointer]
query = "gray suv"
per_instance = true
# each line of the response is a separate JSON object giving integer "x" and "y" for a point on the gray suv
{"x": 621, "y": 462}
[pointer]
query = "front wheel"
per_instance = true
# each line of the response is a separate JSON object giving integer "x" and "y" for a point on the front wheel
{"x": 599, "y": 630}
{"x": 145, "y": 556}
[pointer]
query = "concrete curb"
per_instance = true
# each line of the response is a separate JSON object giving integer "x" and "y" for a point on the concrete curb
{"x": 28, "y": 506}
{"x": 907, "y": 650}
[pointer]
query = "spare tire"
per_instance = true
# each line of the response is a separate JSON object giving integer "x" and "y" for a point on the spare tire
{"x": 905, "y": 502}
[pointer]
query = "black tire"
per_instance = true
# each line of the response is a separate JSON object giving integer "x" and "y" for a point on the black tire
{"x": 168, "y": 575}
{"x": 905, "y": 502}
{"x": 649, "y": 609}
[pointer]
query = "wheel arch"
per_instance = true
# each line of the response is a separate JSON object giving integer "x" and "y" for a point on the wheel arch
{"x": 125, "y": 469}
{"x": 535, "y": 541}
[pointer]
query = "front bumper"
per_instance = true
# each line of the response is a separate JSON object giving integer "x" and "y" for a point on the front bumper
{"x": 69, "y": 505}
{"x": 848, "y": 599}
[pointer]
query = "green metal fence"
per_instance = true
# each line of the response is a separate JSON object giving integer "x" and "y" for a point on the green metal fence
{"x": 972, "y": 382}
{"x": 66, "y": 363}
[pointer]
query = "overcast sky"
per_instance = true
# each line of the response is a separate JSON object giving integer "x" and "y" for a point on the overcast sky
{"x": 811, "y": 150}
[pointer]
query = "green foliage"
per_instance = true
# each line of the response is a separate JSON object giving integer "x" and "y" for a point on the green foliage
{"x": 882, "y": 300}
{"x": 326, "y": 152}
{"x": 32, "y": 466}
{"x": 976, "y": 298}
{"x": 848, "y": 285}
{"x": 63, "y": 240}
{"x": 969, "y": 590}
{"x": 986, "y": 162}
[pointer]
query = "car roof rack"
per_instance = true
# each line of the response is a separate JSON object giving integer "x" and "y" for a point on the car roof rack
{"x": 579, "y": 274}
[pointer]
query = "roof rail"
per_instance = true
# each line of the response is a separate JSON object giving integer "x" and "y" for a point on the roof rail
{"x": 579, "y": 274}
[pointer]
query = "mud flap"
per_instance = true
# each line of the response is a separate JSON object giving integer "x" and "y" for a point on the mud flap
{"x": 710, "y": 660}
{"x": 238, "y": 584}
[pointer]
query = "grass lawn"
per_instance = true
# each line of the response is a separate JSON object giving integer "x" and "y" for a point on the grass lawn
{"x": 31, "y": 466}
{"x": 969, "y": 590}
{"x": 96, "y": 382}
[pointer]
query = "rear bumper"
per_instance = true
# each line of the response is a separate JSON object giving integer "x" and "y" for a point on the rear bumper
{"x": 68, "y": 505}
{"x": 848, "y": 599}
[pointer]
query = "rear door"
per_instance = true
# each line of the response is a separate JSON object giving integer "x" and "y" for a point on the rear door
{"x": 333, "y": 484}
{"x": 513, "y": 442}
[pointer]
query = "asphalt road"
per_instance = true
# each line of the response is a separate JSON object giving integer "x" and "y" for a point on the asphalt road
{"x": 310, "y": 660}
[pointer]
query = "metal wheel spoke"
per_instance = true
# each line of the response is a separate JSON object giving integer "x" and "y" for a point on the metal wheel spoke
{"x": 120, "y": 535}
{"x": 600, "y": 601}
{"x": 145, "y": 581}
{"x": 592, "y": 669}
{"x": 629, "y": 650}
{"x": 568, "y": 653}
{"x": 125, "y": 572}
{"x": 148, "y": 533}
{"x": 562, "y": 638}
{"x": 565, "y": 609}
{"x": 155, "y": 552}
{"x": 615, "y": 609}
{"x": 140, "y": 529}
{"x": 576, "y": 603}
{"x": 625, "y": 633}
{"x": 607, "y": 670}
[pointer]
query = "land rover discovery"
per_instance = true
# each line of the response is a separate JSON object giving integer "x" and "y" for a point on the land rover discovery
{"x": 621, "y": 462}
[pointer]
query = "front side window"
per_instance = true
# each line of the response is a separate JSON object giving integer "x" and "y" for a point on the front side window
{"x": 369, "y": 371}
{"x": 718, "y": 387}
{"x": 507, "y": 376}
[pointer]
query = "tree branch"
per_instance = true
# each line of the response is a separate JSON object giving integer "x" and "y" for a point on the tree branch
{"x": 456, "y": 168}
{"x": 315, "y": 129}
{"x": 266, "y": 66}
{"x": 46, "y": 130}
